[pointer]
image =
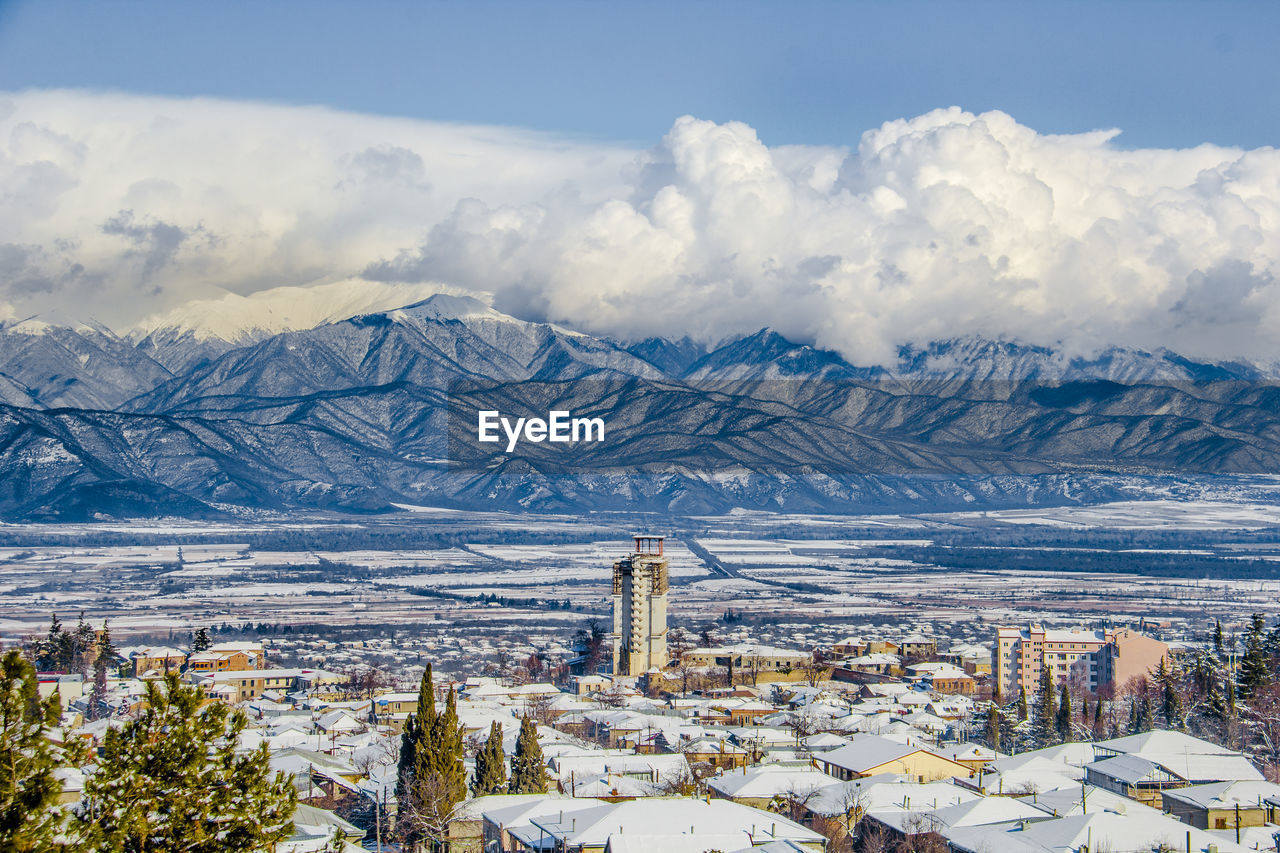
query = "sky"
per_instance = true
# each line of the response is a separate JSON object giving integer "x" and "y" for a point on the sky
{"x": 856, "y": 175}
{"x": 1171, "y": 73}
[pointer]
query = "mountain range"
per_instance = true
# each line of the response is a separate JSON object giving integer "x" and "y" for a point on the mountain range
{"x": 359, "y": 397}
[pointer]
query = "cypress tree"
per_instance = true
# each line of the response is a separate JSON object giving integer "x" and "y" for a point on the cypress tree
{"x": 29, "y": 817}
{"x": 1046, "y": 712}
{"x": 1170, "y": 700}
{"x": 491, "y": 765}
{"x": 101, "y": 663}
{"x": 415, "y": 748}
{"x": 1145, "y": 722}
{"x": 528, "y": 771}
{"x": 1022, "y": 704}
{"x": 1099, "y": 727}
{"x": 447, "y": 755}
{"x": 1084, "y": 710}
{"x": 173, "y": 779}
{"x": 993, "y": 727}
{"x": 1062, "y": 725}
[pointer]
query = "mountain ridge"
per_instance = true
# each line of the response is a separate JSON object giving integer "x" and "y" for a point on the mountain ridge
{"x": 365, "y": 412}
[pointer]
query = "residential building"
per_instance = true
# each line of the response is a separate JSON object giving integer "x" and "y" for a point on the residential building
{"x": 1223, "y": 805}
{"x": 228, "y": 657}
{"x": 1091, "y": 659}
{"x": 869, "y": 755}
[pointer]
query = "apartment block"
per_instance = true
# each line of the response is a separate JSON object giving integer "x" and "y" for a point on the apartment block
{"x": 1091, "y": 659}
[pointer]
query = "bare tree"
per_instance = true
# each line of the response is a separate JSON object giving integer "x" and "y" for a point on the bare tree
{"x": 425, "y": 818}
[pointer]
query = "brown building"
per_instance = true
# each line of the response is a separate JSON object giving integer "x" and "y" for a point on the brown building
{"x": 1090, "y": 658}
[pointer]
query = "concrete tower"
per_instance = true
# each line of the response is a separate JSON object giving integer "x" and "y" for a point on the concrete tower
{"x": 640, "y": 609}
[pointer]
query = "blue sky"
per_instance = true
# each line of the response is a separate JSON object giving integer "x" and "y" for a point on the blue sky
{"x": 1170, "y": 74}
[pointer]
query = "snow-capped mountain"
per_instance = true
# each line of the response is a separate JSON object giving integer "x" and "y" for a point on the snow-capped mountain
{"x": 206, "y": 328}
{"x": 337, "y": 400}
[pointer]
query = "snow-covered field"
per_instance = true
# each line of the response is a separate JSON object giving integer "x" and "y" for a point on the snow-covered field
{"x": 452, "y": 565}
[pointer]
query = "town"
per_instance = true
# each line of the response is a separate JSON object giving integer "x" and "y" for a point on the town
{"x": 642, "y": 735}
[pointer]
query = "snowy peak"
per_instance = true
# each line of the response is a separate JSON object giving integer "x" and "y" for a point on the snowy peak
{"x": 244, "y": 319}
{"x": 443, "y": 307}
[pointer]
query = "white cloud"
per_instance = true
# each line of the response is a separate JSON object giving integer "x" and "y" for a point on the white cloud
{"x": 937, "y": 226}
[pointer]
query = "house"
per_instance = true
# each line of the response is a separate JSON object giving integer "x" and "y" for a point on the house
{"x": 918, "y": 646}
{"x": 870, "y": 755}
{"x": 769, "y": 785}
{"x": 228, "y": 657}
{"x": 1133, "y": 777}
{"x": 1223, "y": 805}
{"x": 943, "y": 678}
{"x": 154, "y": 661}
{"x": 665, "y": 824}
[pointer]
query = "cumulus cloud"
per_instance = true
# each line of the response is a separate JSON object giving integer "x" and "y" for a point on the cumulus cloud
{"x": 937, "y": 226}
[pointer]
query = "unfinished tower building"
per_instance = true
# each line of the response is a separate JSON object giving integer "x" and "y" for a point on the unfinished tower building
{"x": 640, "y": 609}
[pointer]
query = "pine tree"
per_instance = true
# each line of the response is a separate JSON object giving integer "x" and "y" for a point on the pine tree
{"x": 172, "y": 779}
{"x": 1219, "y": 646}
{"x": 528, "y": 770}
{"x": 1046, "y": 713}
{"x": 1022, "y": 705}
{"x": 1062, "y": 725}
{"x": 993, "y": 727}
{"x": 1254, "y": 673}
{"x": 83, "y": 647}
{"x": 1084, "y": 710}
{"x": 491, "y": 765}
{"x": 29, "y": 790}
{"x": 49, "y": 654}
{"x": 1099, "y": 725}
{"x": 201, "y": 642}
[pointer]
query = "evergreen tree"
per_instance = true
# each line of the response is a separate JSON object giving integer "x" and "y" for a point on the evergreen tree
{"x": 172, "y": 779}
{"x": 1046, "y": 722}
{"x": 491, "y": 765}
{"x": 105, "y": 657}
{"x": 416, "y": 738}
{"x": 84, "y": 643}
{"x": 432, "y": 776}
{"x": 1219, "y": 646}
{"x": 1099, "y": 725}
{"x": 49, "y": 652}
{"x": 1254, "y": 672}
{"x": 1170, "y": 698}
{"x": 1022, "y": 705}
{"x": 1084, "y": 711}
{"x": 29, "y": 791}
{"x": 1144, "y": 718}
{"x": 1133, "y": 715}
{"x": 447, "y": 755}
{"x": 1062, "y": 724}
{"x": 528, "y": 770}
{"x": 201, "y": 642}
{"x": 993, "y": 727}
